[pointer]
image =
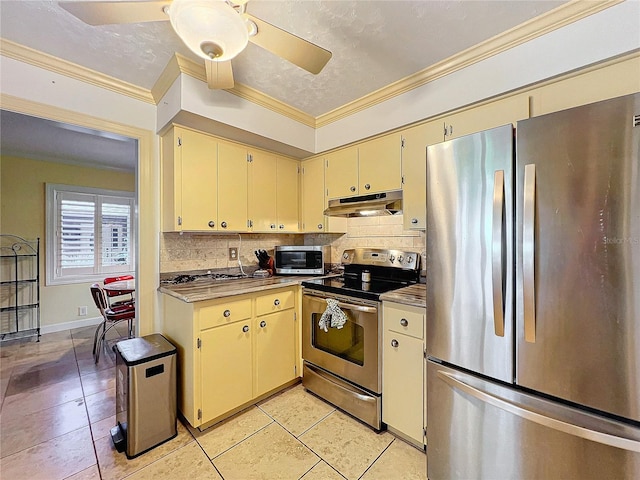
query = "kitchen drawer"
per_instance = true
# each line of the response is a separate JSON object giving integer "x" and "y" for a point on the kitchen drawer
{"x": 404, "y": 319}
{"x": 224, "y": 313}
{"x": 275, "y": 302}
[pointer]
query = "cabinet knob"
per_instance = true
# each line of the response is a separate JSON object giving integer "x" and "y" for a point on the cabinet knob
{"x": 245, "y": 329}
{"x": 276, "y": 302}
{"x": 353, "y": 189}
{"x": 212, "y": 223}
{"x": 281, "y": 227}
{"x": 404, "y": 322}
{"x": 394, "y": 343}
{"x": 273, "y": 225}
{"x": 227, "y": 313}
{"x": 223, "y": 224}
{"x": 414, "y": 220}
{"x": 319, "y": 226}
{"x": 263, "y": 324}
{"x": 367, "y": 186}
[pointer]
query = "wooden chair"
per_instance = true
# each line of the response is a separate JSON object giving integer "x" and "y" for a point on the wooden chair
{"x": 111, "y": 315}
{"x": 111, "y": 294}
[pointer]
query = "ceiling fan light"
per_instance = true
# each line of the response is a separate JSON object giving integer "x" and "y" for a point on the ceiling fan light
{"x": 211, "y": 29}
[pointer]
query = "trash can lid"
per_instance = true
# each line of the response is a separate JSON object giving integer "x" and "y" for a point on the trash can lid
{"x": 145, "y": 349}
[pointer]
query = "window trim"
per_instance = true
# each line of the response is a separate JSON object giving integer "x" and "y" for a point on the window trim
{"x": 51, "y": 220}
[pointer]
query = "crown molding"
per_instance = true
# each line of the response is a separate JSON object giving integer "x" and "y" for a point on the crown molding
{"x": 181, "y": 64}
{"x": 559, "y": 17}
{"x": 33, "y": 57}
{"x": 525, "y": 32}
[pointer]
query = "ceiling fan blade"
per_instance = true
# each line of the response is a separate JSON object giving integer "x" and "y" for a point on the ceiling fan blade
{"x": 108, "y": 13}
{"x": 219, "y": 74}
{"x": 297, "y": 50}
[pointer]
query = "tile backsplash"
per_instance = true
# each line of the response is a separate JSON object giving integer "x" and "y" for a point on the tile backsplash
{"x": 197, "y": 251}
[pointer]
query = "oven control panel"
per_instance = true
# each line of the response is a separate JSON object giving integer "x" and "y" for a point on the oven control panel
{"x": 381, "y": 257}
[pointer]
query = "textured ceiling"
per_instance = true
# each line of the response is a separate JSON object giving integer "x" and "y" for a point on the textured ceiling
{"x": 374, "y": 43}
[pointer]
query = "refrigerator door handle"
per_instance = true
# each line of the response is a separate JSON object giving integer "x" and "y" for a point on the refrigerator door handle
{"x": 528, "y": 253}
{"x": 549, "y": 422}
{"x": 497, "y": 244}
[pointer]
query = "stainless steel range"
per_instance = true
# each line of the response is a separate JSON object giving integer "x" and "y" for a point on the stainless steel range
{"x": 342, "y": 329}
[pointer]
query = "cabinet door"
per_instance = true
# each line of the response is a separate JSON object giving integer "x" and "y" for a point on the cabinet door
{"x": 287, "y": 197}
{"x": 275, "y": 351}
{"x": 171, "y": 173}
{"x": 198, "y": 158}
{"x": 226, "y": 369}
{"x": 494, "y": 114}
{"x": 263, "y": 192}
{"x": 232, "y": 187}
{"x": 414, "y": 172}
{"x": 402, "y": 384}
{"x": 313, "y": 195}
{"x": 380, "y": 164}
{"x": 341, "y": 173}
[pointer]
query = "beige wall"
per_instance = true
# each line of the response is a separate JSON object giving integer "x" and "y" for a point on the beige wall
{"x": 23, "y": 213}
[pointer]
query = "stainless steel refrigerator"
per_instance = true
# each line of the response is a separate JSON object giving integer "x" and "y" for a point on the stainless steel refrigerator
{"x": 533, "y": 298}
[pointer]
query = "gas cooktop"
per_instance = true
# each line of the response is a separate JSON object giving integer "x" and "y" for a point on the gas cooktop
{"x": 188, "y": 278}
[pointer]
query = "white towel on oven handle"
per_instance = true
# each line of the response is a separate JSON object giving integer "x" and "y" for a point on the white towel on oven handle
{"x": 333, "y": 316}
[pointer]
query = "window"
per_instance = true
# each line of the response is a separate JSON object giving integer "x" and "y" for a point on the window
{"x": 89, "y": 233}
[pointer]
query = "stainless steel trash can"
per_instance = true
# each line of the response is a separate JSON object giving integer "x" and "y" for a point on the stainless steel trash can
{"x": 146, "y": 404}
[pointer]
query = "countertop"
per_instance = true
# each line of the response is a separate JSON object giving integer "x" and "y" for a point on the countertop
{"x": 201, "y": 290}
{"x": 414, "y": 295}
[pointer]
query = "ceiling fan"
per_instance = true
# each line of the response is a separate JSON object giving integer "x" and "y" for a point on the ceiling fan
{"x": 215, "y": 30}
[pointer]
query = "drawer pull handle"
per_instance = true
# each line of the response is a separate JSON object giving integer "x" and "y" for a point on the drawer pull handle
{"x": 263, "y": 324}
{"x": 276, "y": 302}
{"x": 245, "y": 329}
{"x": 404, "y": 322}
{"x": 394, "y": 343}
{"x": 227, "y": 313}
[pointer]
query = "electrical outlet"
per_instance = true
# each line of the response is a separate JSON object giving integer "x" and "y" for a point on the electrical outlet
{"x": 233, "y": 253}
{"x": 82, "y": 311}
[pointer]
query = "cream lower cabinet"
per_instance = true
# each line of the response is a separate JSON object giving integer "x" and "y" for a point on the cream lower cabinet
{"x": 403, "y": 363}
{"x": 232, "y": 351}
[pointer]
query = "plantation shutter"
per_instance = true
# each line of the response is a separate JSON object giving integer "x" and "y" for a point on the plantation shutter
{"x": 76, "y": 233}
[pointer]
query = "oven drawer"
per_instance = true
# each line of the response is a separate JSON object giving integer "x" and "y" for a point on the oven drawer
{"x": 404, "y": 319}
{"x": 275, "y": 302}
{"x": 224, "y": 313}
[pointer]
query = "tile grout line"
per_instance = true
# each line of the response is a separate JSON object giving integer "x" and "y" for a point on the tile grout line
{"x": 84, "y": 399}
{"x": 377, "y": 458}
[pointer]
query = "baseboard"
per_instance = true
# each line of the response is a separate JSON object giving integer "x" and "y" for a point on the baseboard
{"x": 58, "y": 327}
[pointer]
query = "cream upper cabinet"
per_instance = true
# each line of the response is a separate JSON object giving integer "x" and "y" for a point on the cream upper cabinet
{"x": 313, "y": 197}
{"x": 403, "y": 363}
{"x": 380, "y": 165}
{"x": 232, "y": 187}
{"x": 414, "y": 172}
{"x": 341, "y": 174}
{"x": 483, "y": 117}
{"x": 287, "y": 195}
{"x": 274, "y": 193}
{"x": 262, "y": 193}
{"x": 189, "y": 178}
{"x": 588, "y": 87}
{"x": 314, "y": 200}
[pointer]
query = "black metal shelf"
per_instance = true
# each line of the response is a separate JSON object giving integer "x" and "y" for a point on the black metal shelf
{"x": 27, "y": 290}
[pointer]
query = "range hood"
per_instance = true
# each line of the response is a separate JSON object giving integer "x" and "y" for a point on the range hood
{"x": 386, "y": 203}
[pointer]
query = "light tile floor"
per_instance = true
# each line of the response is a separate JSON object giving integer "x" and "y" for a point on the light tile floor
{"x": 58, "y": 407}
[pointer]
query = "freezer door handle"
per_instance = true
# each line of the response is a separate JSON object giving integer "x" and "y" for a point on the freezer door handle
{"x": 528, "y": 253}
{"x": 549, "y": 422}
{"x": 497, "y": 244}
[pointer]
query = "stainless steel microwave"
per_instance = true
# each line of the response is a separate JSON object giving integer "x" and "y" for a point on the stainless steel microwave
{"x": 302, "y": 259}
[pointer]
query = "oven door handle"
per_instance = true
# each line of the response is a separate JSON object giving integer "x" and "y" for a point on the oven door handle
{"x": 348, "y": 306}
